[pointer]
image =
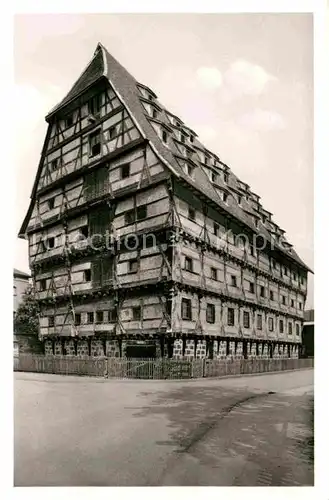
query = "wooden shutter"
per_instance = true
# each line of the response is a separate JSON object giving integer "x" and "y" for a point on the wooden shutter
{"x": 96, "y": 183}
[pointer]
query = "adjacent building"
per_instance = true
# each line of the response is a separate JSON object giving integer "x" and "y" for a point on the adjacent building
{"x": 21, "y": 284}
{"x": 142, "y": 242}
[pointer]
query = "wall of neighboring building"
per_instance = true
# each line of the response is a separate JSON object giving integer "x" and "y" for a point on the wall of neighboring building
{"x": 20, "y": 286}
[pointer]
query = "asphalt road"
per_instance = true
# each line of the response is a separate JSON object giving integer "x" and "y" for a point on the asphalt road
{"x": 72, "y": 431}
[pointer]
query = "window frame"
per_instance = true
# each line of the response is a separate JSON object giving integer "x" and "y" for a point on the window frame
{"x": 246, "y": 320}
{"x": 211, "y": 313}
{"x": 186, "y": 303}
{"x": 230, "y": 319}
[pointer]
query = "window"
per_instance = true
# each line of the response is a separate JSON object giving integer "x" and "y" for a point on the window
{"x": 297, "y": 329}
{"x": 239, "y": 199}
{"x": 281, "y": 325}
{"x": 285, "y": 271}
{"x": 54, "y": 164}
{"x": 188, "y": 264}
{"x": 154, "y": 113}
{"x": 51, "y": 203}
{"x": 190, "y": 170}
{"x": 294, "y": 276}
{"x": 130, "y": 217}
{"x": 216, "y": 229}
{"x": 141, "y": 212}
{"x": 133, "y": 266}
{"x": 87, "y": 275}
{"x": 125, "y": 171}
{"x": 112, "y": 315}
{"x": 84, "y": 231}
{"x": 77, "y": 319}
{"x": 246, "y": 319}
{"x": 112, "y": 132}
{"x": 99, "y": 316}
{"x": 191, "y": 138}
{"x": 292, "y": 303}
{"x": 289, "y": 328}
{"x": 42, "y": 285}
{"x": 182, "y": 138}
{"x": 205, "y": 160}
{"x": 283, "y": 298}
{"x": 164, "y": 136}
{"x": 271, "y": 295}
{"x": 95, "y": 143}
{"x": 210, "y": 313}
{"x": 51, "y": 242}
{"x": 186, "y": 309}
{"x": 224, "y": 197}
{"x": 213, "y": 273}
{"x": 94, "y": 105}
{"x": 262, "y": 291}
{"x": 233, "y": 281}
{"x": 214, "y": 177}
{"x": 137, "y": 313}
{"x": 251, "y": 287}
{"x": 301, "y": 280}
{"x": 191, "y": 213}
{"x": 259, "y": 322}
{"x": 270, "y": 324}
{"x": 69, "y": 121}
{"x": 300, "y": 305}
{"x": 230, "y": 316}
{"x": 51, "y": 321}
{"x": 226, "y": 177}
{"x": 90, "y": 317}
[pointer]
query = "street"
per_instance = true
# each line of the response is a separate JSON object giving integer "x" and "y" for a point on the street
{"x": 243, "y": 431}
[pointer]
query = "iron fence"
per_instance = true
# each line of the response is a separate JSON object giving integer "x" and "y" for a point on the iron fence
{"x": 156, "y": 369}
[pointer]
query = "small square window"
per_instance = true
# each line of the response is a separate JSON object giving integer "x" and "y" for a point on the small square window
{"x": 125, "y": 171}
{"x": 51, "y": 242}
{"x": 164, "y": 136}
{"x": 69, "y": 121}
{"x": 210, "y": 313}
{"x": 213, "y": 273}
{"x": 51, "y": 203}
{"x": 42, "y": 285}
{"x": 154, "y": 113}
{"x": 141, "y": 212}
{"x": 214, "y": 177}
{"x": 54, "y": 164}
{"x": 233, "y": 281}
{"x": 112, "y": 315}
{"x": 239, "y": 199}
{"x": 191, "y": 213}
{"x": 251, "y": 287}
{"x": 133, "y": 266}
{"x": 216, "y": 229}
{"x": 224, "y": 197}
{"x": 51, "y": 321}
{"x": 230, "y": 316}
{"x": 191, "y": 138}
{"x": 262, "y": 291}
{"x": 246, "y": 319}
{"x": 95, "y": 143}
{"x": 186, "y": 309}
{"x": 259, "y": 322}
{"x": 87, "y": 275}
{"x": 99, "y": 316}
{"x": 271, "y": 295}
{"x": 137, "y": 313}
{"x": 188, "y": 264}
{"x": 281, "y": 325}
{"x": 77, "y": 319}
{"x": 84, "y": 231}
{"x": 270, "y": 324}
{"x": 130, "y": 217}
{"x": 112, "y": 132}
{"x": 90, "y": 317}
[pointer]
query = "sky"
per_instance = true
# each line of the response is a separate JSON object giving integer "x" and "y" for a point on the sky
{"x": 243, "y": 82}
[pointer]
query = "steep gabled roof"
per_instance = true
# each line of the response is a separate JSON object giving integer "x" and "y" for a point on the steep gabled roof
{"x": 20, "y": 274}
{"x": 127, "y": 88}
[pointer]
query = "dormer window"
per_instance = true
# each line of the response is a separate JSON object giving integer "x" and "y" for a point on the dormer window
{"x": 164, "y": 136}
{"x": 150, "y": 97}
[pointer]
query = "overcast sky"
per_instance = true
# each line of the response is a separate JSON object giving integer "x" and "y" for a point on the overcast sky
{"x": 243, "y": 82}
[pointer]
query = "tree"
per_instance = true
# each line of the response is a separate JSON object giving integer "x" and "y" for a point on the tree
{"x": 26, "y": 319}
